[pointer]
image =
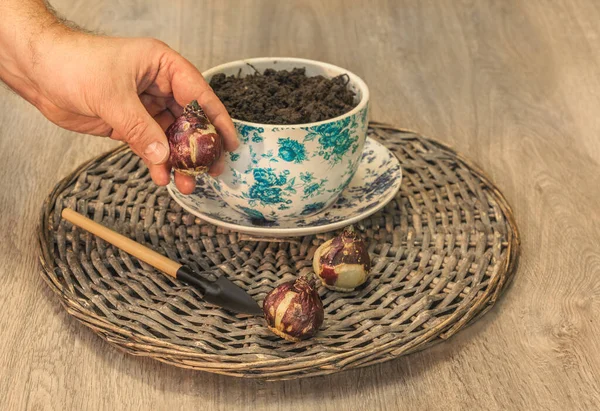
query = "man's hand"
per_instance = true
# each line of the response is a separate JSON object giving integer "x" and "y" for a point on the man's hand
{"x": 128, "y": 89}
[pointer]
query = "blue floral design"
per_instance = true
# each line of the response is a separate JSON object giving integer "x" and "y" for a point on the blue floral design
{"x": 267, "y": 176}
{"x": 249, "y": 132}
{"x": 266, "y": 195}
{"x": 269, "y": 154}
{"x": 369, "y": 156}
{"x": 307, "y": 177}
{"x": 291, "y": 150}
{"x": 252, "y": 213}
{"x": 205, "y": 192}
{"x": 236, "y": 177}
{"x": 312, "y": 208}
{"x": 343, "y": 202}
{"x": 311, "y": 189}
{"x": 253, "y": 159}
{"x": 335, "y": 139}
{"x": 381, "y": 184}
{"x": 234, "y": 156}
{"x": 364, "y": 114}
{"x": 270, "y": 188}
{"x": 314, "y": 189}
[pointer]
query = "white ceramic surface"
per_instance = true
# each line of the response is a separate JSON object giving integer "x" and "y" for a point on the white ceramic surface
{"x": 284, "y": 172}
{"x": 376, "y": 183}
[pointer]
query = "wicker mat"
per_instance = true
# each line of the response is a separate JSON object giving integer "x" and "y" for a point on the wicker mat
{"x": 443, "y": 251}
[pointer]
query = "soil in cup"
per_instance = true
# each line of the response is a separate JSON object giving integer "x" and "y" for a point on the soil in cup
{"x": 284, "y": 97}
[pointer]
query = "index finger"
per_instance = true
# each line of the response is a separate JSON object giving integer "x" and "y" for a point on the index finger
{"x": 188, "y": 84}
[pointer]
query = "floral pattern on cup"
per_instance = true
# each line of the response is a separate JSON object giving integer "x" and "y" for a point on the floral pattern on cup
{"x": 269, "y": 188}
{"x": 285, "y": 172}
{"x": 248, "y": 133}
{"x": 335, "y": 139}
{"x": 378, "y": 178}
{"x": 291, "y": 151}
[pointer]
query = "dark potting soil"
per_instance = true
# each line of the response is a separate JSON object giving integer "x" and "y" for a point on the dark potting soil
{"x": 283, "y": 97}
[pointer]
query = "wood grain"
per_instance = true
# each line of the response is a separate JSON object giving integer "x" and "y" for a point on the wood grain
{"x": 512, "y": 85}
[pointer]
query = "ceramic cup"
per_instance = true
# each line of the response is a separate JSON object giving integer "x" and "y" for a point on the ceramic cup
{"x": 282, "y": 172}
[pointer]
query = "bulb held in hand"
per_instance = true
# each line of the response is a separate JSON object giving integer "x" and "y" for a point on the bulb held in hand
{"x": 194, "y": 142}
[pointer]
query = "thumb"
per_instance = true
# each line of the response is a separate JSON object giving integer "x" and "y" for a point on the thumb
{"x": 132, "y": 124}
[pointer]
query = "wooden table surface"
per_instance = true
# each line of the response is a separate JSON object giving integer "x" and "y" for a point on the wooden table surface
{"x": 513, "y": 85}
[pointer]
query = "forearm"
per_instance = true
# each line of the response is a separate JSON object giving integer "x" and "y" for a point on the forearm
{"x": 24, "y": 28}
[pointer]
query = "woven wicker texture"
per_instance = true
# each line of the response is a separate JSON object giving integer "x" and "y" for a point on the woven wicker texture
{"x": 443, "y": 251}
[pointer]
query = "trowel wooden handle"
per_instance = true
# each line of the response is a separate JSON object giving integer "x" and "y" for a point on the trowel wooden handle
{"x": 145, "y": 254}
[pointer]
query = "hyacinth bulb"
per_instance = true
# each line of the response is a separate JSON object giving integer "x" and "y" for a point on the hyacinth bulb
{"x": 194, "y": 142}
{"x": 343, "y": 263}
{"x": 294, "y": 310}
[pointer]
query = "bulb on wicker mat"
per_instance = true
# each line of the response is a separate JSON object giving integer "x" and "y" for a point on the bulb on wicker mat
{"x": 194, "y": 142}
{"x": 294, "y": 310}
{"x": 343, "y": 263}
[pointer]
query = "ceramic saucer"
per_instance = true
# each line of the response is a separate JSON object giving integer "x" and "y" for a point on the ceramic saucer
{"x": 375, "y": 184}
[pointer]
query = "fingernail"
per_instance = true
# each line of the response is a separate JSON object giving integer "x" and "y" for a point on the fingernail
{"x": 156, "y": 153}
